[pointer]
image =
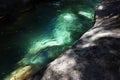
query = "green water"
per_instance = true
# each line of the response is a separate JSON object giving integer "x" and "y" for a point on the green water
{"x": 62, "y": 30}
{"x": 46, "y": 32}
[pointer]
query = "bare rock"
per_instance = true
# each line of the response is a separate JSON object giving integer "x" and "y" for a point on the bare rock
{"x": 96, "y": 55}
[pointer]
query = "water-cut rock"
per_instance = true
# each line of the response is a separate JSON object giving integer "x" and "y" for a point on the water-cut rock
{"x": 96, "y": 56}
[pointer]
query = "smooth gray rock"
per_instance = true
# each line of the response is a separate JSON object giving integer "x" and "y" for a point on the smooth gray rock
{"x": 96, "y": 55}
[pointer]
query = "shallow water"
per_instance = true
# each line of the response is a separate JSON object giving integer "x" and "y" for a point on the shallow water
{"x": 41, "y": 35}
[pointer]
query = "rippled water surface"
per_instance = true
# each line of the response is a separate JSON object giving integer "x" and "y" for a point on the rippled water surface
{"x": 39, "y": 36}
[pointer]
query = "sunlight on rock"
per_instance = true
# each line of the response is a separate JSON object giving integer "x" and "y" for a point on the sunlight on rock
{"x": 100, "y": 7}
{"x": 63, "y": 65}
{"x": 23, "y": 73}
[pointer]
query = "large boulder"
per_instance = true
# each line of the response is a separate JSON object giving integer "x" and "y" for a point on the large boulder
{"x": 96, "y": 55}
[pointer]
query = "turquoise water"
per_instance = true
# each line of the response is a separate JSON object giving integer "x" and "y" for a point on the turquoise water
{"x": 58, "y": 27}
{"x": 46, "y": 32}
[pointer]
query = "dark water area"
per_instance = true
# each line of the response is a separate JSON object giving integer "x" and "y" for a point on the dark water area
{"x": 14, "y": 39}
{"x": 35, "y": 31}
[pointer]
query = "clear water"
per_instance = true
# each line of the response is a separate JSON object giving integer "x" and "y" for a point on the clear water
{"x": 47, "y": 31}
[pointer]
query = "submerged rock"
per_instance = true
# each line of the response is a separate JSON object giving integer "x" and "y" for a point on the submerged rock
{"x": 36, "y": 37}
